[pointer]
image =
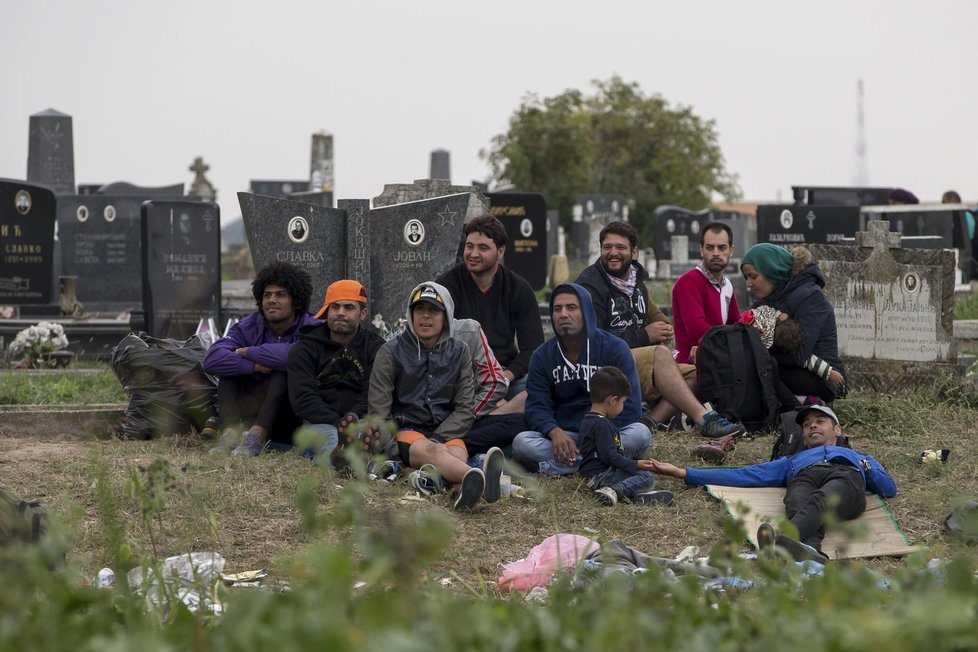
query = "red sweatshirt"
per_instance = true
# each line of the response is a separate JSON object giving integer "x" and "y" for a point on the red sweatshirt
{"x": 696, "y": 309}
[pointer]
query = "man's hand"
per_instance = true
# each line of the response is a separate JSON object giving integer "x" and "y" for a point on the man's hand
{"x": 243, "y": 351}
{"x": 836, "y": 379}
{"x": 662, "y": 468}
{"x": 510, "y": 376}
{"x": 659, "y": 332}
{"x": 262, "y": 369}
{"x": 565, "y": 450}
{"x": 692, "y": 354}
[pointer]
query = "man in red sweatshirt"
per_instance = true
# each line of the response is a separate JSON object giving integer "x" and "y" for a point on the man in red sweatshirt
{"x": 703, "y": 297}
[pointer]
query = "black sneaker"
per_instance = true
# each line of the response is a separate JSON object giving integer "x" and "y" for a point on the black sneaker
{"x": 470, "y": 490}
{"x": 653, "y": 498}
{"x": 492, "y": 469}
{"x": 715, "y": 426}
{"x": 800, "y": 551}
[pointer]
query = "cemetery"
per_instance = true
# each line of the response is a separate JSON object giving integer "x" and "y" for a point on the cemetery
{"x": 118, "y": 268}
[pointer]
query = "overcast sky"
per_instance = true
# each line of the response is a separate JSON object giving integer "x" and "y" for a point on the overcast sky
{"x": 245, "y": 84}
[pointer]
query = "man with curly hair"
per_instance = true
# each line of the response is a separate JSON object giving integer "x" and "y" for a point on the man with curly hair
{"x": 250, "y": 361}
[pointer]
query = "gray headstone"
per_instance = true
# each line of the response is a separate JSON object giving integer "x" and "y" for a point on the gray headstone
{"x": 357, "y": 240}
{"x": 27, "y": 217}
{"x": 310, "y": 236}
{"x": 894, "y": 310}
{"x": 410, "y": 243}
{"x": 51, "y": 151}
{"x": 553, "y": 232}
{"x": 400, "y": 193}
{"x": 525, "y": 217}
{"x": 181, "y": 266}
{"x": 101, "y": 245}
{"x": 441, "y": 167}
{"x": 317, "y": 197}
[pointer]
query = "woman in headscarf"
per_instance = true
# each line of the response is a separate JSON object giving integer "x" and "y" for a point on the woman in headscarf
{"x": 792, "y": 283}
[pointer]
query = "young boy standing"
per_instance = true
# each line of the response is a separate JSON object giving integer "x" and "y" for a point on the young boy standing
{"x": 611, "y": 475}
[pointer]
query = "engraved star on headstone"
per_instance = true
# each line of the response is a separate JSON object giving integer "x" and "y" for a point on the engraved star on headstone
{"x": 447, "y": 217}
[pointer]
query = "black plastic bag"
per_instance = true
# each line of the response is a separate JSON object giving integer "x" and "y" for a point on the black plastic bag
{"x": 167, "y": 387}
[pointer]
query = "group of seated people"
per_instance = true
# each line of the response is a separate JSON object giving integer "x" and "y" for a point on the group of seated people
{"x": 472, "y": 374}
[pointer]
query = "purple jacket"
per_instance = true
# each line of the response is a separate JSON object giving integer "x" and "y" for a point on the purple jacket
{"x": 264, "y": 346}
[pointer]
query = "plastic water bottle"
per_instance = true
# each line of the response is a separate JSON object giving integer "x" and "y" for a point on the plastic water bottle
{"x": 105, "y": 579}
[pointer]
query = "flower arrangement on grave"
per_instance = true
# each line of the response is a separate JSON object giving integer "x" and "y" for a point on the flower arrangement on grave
{"x": 34, "y": 341}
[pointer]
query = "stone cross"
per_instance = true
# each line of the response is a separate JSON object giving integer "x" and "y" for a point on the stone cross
{"x": 200, "y": 186}
{"x": 878, "y": 236}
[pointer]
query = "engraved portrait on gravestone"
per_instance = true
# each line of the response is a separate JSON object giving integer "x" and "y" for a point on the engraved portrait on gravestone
{"x": 298, "y": 229}
{"x": 23, "y": 202}
{"x": 414, "y": 232}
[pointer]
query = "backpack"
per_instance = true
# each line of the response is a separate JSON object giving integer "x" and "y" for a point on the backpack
{"x": 790, "y": 440}
{"x": 738, "y": 376}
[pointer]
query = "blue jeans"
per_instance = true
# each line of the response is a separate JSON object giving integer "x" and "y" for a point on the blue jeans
{"x": 327, "y": 432}
{"x": 623, "y": 482}
{"x": 535, "y": 451}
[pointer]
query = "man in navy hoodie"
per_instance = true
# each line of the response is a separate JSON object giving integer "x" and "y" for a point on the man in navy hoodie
{"x": 822, "y": 478}
{"x": 558, "y": 388}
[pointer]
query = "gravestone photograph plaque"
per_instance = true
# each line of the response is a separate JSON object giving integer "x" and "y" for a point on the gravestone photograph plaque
{"x": 27, "y": 217}
{"x": 525, "y": 217}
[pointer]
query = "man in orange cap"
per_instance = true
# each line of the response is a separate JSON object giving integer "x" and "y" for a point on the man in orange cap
{"x": 329, "y": 367}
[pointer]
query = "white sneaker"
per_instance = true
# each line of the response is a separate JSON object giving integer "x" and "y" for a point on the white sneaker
{"x": 606, "y": 496}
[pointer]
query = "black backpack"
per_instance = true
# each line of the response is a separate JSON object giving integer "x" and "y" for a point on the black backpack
{"x": 738, "y": 376}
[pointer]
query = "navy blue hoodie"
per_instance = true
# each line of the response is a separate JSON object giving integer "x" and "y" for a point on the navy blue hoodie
{"x": 558, "y": 394}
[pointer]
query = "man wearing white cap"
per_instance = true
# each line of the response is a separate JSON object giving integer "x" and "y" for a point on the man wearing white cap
{"x": 822, "y": 478}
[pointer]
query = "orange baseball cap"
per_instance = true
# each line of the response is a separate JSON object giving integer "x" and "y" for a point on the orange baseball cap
{"x": 345, "y": 290}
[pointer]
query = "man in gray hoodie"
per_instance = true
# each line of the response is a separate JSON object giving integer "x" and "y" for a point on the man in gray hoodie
{"x": 422, "y": 381}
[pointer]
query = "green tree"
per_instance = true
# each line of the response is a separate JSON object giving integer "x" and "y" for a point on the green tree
{"x": 617, "y": 140}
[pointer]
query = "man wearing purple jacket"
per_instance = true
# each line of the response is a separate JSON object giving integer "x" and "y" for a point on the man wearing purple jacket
{"x": 250, "y": 361}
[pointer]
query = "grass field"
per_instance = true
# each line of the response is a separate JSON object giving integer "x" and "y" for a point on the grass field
{"x": 429, "y": 574}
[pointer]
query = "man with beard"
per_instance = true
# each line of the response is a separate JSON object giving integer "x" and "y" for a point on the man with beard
{"x": 616, "y": 283}
{"x": 499, "y": 299}
{"x": 703, "y": 297}
{"x": 329, "y": 367}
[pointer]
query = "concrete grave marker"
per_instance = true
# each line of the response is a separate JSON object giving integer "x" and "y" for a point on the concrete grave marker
{"x": 894, "y": 310}
{"x": 51, "y": 151}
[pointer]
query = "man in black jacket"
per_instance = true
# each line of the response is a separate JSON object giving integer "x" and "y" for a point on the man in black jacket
{"x": 500, "y": 300}
{"x": 329, "y": 367}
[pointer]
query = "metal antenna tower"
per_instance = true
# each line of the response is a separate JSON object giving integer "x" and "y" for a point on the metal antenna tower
{"x": 862, "y": 173}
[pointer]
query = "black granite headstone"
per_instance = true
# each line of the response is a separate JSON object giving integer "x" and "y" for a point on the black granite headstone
{"x": 597, "y": 211}
{"x": 310, "y": 236}
{"x": 553, "y": 232}
{"x": 318, "y": 197}
{"x": 930, "y": 227}
{"x": 51, "y": 151}
{"x": 673, "y": 220}
{"x": 840, "y": 195}
{"x": 27, "y": 216}
{"x": 101, "y": 244}
{"x": 789, "y": 225}
{"x": 280, "y": 188}
{"x": 410, "y": 243}
{"x": 743, "y": 228}
{"x": 357, "y": 240}
{"x": 181, "y": 266}
{"x": 525, "y": 217}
